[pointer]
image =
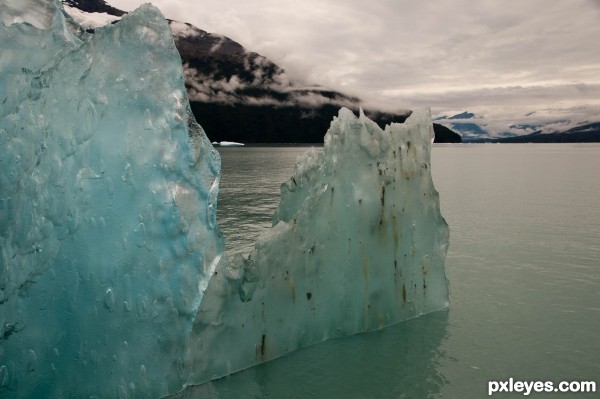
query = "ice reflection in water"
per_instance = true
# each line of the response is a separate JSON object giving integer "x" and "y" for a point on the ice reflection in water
{"x": 400, "y": 361}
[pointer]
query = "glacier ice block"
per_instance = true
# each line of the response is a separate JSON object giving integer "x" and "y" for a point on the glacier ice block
{"x": 358, "y": 243}
{"x": 107, "y": 206}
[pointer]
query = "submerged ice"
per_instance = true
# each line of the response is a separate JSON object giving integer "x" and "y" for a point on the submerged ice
{"x": 112, "y": 280}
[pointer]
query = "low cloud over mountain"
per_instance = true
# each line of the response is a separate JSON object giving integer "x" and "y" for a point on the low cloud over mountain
{"x": 239, "y": 95}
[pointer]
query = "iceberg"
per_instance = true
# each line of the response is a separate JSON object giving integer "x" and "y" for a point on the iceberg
{"x": 358, "y": 243}
{"x": 113, "y": 281}
{"x": 108, "y": 191}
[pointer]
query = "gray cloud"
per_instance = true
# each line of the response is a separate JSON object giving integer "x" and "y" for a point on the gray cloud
{"x": 494, "y": 57}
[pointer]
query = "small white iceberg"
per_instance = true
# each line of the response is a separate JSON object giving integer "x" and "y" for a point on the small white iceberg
{"x": 227, "y": 144}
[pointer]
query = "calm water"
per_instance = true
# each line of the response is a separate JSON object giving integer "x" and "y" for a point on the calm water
{"x": 523, "y": 266}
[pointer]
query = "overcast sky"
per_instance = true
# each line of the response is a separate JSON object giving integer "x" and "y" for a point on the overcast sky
{"x": 490, "y": 57}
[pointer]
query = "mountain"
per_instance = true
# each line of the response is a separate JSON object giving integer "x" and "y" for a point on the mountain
{"x": 239, "y": 95}
{"x": 467, "y": 124}
{"x": 588, "y": 133}
{"x": 532, "y": 128}
{"x": 464, "y": 115}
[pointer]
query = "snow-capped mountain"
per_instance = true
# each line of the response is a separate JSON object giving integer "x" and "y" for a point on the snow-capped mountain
{"x": 239, "y": 95}
{"x": 537, "y": 126}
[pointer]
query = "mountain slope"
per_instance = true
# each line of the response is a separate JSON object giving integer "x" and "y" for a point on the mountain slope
{"x": 445, "y": 135}
{"x": 239, "y": 95}
{"x": 94, "y": 6}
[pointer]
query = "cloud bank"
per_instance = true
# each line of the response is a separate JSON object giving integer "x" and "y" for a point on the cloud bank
{"x": 489, "y": 56}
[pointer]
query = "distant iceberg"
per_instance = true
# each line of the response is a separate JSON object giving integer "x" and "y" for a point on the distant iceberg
{"x": 112, "y": 275}
{"x": 227, "y": 144}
